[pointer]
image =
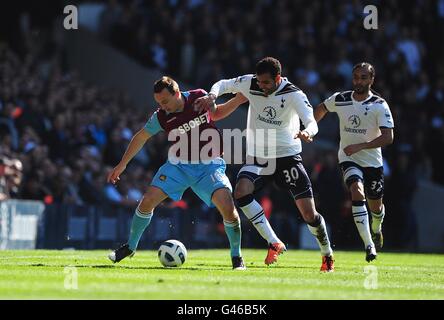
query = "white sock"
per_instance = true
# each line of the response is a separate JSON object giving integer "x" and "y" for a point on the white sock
{"x": 360, "y": 216}
{"x": 321, "y": 236}
{"x": 377, "y": 219}
{"x": 255, "y": 214}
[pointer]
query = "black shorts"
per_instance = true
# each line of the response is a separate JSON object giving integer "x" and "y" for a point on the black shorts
{"x": 373, "y": 178}
{"x": 290, "y": 175}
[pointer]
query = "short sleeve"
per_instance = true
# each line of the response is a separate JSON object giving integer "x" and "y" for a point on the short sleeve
{"x": 242, "y": 84}
{"x": 153, "y": 126}
{"x": 385, "y": 118}
{"x": 330, "y": 103}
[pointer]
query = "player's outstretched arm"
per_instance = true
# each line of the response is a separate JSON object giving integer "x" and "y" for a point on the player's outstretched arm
{"x": 224, "y": 110}
{"x": 219, "y": 88}
{"x": 136, "y": 143}
{"x": 320, "y": 111}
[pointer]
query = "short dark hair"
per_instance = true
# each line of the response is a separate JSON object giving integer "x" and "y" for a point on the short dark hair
{"x": 269, "y": 65}
{"x": 166, "y": 83}
{"x": 366, "y": 65}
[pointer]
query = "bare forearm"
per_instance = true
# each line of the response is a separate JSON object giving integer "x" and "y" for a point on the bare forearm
{"x": 319, "y": 112}
{"x": 381, "y": 141}
{"x": 225, "y": 109}
{"x": 137, "y": 142}
{"x": 222, "y": 112}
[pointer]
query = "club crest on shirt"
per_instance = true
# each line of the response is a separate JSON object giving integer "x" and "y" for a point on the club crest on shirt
{"x": 282, "y": 102}
{"x": 354, "y": 121}
{"x": 269, "y": 114}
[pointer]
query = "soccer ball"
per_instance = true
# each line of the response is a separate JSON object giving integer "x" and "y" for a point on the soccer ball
{"x": 172, "y": 253}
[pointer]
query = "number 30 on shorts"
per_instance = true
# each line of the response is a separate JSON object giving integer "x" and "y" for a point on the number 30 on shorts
{"x": 293, "y": 174}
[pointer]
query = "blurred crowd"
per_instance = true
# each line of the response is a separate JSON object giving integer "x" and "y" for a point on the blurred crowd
{"x": 59, "y": 136}
{"x": 317, "y": 42}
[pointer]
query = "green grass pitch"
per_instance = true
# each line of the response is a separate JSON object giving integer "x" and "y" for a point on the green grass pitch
{"x": 207, "y": 274}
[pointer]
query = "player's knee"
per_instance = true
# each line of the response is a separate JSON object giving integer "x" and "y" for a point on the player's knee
{"x": 375, "y": 207}
{"x": 357, "y": 191}
{"x": 224, "y": 202}
{"x": 243, "y": 188}
{"x": 307, "y": 209}
{"x": 147, "y": 204}
{"x": 313, "y": 219}
{"x": 310, "y": 216}
{"x": 239, "y": 193}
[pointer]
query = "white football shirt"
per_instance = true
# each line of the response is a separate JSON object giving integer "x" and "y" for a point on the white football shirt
{"x": 360, "y": 122}
{"x": 273, "y": 120}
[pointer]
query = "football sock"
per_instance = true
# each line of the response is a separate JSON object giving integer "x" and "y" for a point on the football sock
{"x": 138, "y": 225}
{"x": 254, "y": 212}
{"x": 360, "y": 216}
{"x": 319, "y": 230}
{"x": 233, "y": 231}
{"x": 377, "y": 219}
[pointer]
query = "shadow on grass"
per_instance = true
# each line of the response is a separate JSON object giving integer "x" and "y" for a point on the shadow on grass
{"x": 200, "y": 267}
{"x": 105, "y": 266}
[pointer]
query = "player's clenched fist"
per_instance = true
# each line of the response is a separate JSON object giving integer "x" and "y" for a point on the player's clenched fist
{"x": 305, "y": 136}
{"x": 205, "y": 103}
{"x": 113, "y": 176}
